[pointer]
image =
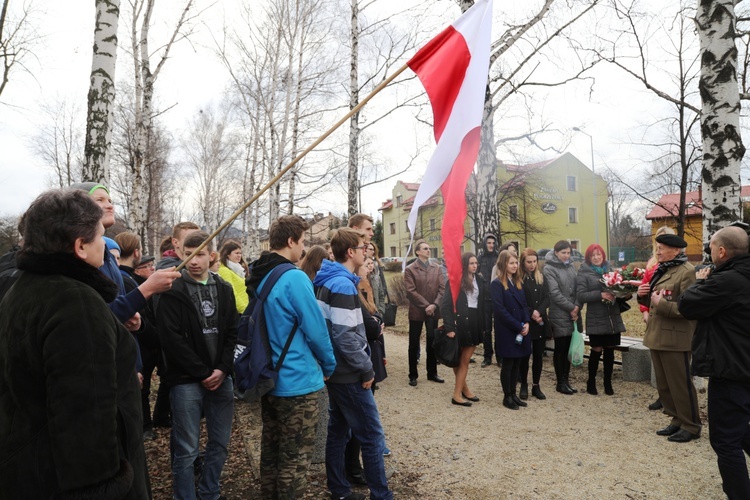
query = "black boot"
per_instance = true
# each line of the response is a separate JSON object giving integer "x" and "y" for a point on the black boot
{"x": 518, "y": 400}
{"x": 537, "y": 392}
{"x": 524, "y": 392}
{"x": 609, "y": 364}
{"x": 594, "y": 357}
{"x": 566, "y": 369}
{"x": 509, "y": 403}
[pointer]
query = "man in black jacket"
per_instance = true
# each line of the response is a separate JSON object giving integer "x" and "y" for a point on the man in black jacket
{"x": 197, "y": 322}
{"x": 487, "y": 260}
{"x": 721, "y": 347}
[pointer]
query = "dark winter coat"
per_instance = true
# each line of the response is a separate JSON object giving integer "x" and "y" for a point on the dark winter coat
{"x": 186, "y": 356}
{"x": 487, "y": 260}
{"x": 561, "y": 283}
{"x": 537, "y": 299}
{"x": 70, "y": 403}
{"x": 721, "y": 304}
{"x": 458, "y": 321}
{"x": 511, "y": 312}
{"x": 601, "y": 318}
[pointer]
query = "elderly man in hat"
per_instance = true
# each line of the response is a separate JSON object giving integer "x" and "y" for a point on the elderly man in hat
{"x": 669, "y": 336}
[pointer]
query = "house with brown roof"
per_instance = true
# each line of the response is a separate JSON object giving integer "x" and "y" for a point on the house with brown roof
{"x": 666, "y": 210}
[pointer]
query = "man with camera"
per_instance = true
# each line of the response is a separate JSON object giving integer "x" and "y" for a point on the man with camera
{"x": 720, "y": 301}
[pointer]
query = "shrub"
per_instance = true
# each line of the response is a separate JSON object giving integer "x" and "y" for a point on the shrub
{"x": 397, "y": 290}
{"x": 393, "y": 267}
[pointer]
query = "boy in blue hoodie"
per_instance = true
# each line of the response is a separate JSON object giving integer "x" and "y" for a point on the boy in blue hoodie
{"x": 352, "y": 407}
{"x": 290, "y": 410}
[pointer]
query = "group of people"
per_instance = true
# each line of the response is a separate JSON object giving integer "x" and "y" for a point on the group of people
{"x": 77, "y": 365}
{"x": 76, "y": 419}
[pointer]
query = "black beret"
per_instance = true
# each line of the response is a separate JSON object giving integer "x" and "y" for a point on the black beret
{"x": 671, "y": 240}
{"x": 146, "y": 259}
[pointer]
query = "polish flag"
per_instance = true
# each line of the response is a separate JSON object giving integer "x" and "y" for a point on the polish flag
{"x": 454, "y": 67}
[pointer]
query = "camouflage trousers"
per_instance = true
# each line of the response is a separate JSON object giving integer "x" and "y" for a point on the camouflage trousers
{"x": 287, "y": 444}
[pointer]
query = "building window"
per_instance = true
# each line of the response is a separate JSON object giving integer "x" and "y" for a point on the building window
{"x": 572, "y": 183}
{"x": 392, "y": 227}
{"x": 574, "y": 244}
{"x": 432, "y": 224}
{"x": 398, "y": 200}
{"x": 433, "y": 252}
{"x": 393, "y": 252}
{"x": 406, "y": 225}
{"x": 572, "y": 215}
{"x": 513, "y": 212}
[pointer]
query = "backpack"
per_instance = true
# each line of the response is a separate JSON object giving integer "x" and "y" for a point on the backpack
{"x": 254, "y": 373}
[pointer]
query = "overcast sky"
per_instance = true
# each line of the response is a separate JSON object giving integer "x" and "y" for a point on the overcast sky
{"x": 613, "y": 114}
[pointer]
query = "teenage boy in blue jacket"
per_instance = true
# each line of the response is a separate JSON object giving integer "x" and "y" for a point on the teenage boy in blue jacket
{"x": 351, "y": 403}
{"x": 197, "y": 322}
{"x": 290, "y": 410}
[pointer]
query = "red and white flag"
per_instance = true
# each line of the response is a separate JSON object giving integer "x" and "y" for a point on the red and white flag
{"x": 454, "y": 67}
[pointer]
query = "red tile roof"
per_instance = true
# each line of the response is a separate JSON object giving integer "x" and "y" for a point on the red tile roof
{"x": 668, "y": 205}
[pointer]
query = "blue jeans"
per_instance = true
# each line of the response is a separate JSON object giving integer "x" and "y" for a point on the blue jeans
{"x": 352, "y": 411}
{"x": 189, "y": 401}
{"x": 728, "y": 419}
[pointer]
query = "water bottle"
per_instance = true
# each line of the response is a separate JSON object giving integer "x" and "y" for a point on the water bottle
{"x": 519, "y": 339}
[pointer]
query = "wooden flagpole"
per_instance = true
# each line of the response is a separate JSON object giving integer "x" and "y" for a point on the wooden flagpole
{"x": 283, "y": 171}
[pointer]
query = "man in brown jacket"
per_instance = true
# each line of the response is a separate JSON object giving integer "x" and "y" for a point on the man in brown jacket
{"x": 424, "y": 288}
{"x": 669, "y": 336}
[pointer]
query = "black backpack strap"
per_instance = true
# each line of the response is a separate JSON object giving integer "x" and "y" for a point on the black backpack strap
{"x": 263, "y": 295}
{"x": 286, "y": 346}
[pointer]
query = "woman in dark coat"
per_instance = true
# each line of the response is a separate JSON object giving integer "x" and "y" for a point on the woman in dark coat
{"x": 511, "y": 324}
{"x": 537, "y": 300}
{"x": 465, "y": 322}
{"x": 560, "y": 276}
{"x": 603, "y": 320}
{"x": 69, "y": 396}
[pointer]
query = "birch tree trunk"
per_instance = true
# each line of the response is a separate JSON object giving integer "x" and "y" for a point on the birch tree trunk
{"x": 144, "y": 96}
{"x": 101, "y": 96}
{"x": 720, "y": 118}
{"x": 353, "y": 176}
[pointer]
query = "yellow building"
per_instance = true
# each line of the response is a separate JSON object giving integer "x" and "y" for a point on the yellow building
{"x": 395, "y": 212}
{"x": 538, "y": 205}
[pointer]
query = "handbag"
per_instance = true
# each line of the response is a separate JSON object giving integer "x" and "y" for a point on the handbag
{"x": 389, "y": 316}
{"x": 575, "y": 353}
{"x": 447, "y": 351}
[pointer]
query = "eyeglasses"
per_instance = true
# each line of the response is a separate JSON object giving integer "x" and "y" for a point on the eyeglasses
{"x": 150, "y": 265}
{"x": 361, "y": 247}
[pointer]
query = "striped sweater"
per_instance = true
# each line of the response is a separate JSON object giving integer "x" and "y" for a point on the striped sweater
{"x": 338, "y": 300}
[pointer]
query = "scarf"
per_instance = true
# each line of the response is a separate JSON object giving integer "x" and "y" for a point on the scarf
{"x": 598, "y": 270}
{"x": 237, "y": 268}
{"x": 662, "y": 269}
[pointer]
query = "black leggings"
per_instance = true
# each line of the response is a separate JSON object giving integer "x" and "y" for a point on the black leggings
{"x": 537, "y": 352}
{"x": 509, "y": 375}
{"x": 562, "y": 365}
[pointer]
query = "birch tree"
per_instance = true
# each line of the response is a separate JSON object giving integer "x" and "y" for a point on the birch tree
{"x": 101, "y": 93}
{"x": 145, "y": 80}
{"x": 720, "y": 118}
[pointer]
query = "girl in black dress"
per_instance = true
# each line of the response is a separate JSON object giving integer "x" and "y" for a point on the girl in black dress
{"x": 465, "y": 322}
{"x": 537, "y": 300}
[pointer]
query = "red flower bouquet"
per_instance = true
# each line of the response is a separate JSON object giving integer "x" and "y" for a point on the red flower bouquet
{"x": 623, "y": 281}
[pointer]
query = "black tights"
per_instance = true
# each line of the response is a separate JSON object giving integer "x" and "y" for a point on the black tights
{"x": 560, "y": 358}
{"x": 509, "y": 375}
{"x": 537, "y": 353}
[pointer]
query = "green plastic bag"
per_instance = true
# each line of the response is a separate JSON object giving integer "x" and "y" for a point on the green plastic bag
{"x": 575, "y": 353}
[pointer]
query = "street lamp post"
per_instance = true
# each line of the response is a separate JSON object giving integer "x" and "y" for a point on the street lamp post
{"x": 593, "y": 182}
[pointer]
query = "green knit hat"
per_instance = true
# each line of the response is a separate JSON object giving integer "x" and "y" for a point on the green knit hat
{"x": 89, "y": 187}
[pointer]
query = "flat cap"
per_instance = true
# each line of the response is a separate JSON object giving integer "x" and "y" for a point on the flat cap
{"x": 671, "y": 240}
{"x": 146, "y": 259}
